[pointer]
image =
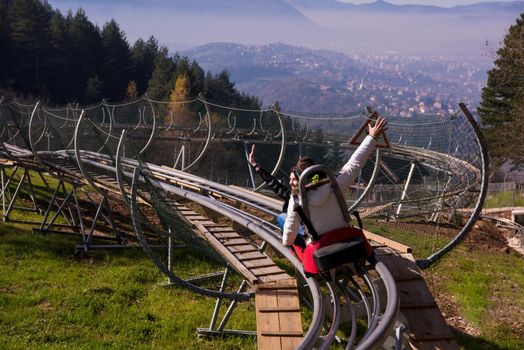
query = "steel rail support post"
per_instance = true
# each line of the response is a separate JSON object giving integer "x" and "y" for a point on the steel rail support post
{"x": 15, "y": 194}
{"x": 93, "y": 224}
{"x": 376, "y": 303}
{"x": 80, "y": 220}
{"x": 390, "y": 315}
{"x": 208, "y": 138}
{"x": 484, "y": 164}
{"x": 398, "y": 336}
{"x": 282, "y": 153}
{"x": 2, "y": 174}
{"x": 32, "y": 193}
{"x": 182, "y": 157}
{"x": 44, "y": 181}
{"x": 109, "y": 217}
{"x": 405, "y": 190}
{"x": 371, "y": 182}
{"x": 440, "y": 203}
{"x": 352, "y": 315}
{"x": 335, "y": 320}
{"x": 153, "y": 128}
{"x": 169, "y": 253}
{"x": 53, "y": 198}
{"x": 59, "y": 211}
{"x": 231, "y": 307}
{"x": 71, "y": 216}
{"x": 218, "y": 302}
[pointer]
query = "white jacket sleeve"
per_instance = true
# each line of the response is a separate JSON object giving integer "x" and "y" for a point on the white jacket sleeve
{"x": 349, "y": 171}
{"x": 291, "y": 225}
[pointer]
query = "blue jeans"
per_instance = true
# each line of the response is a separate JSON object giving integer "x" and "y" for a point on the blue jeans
{"x": 281, "y": 219}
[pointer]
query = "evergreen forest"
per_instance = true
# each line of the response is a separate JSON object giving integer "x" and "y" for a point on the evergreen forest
{"x": 59, "y": 59}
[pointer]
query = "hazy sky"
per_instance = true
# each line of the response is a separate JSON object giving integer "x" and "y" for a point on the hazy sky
{"x": 441, "y": 3}
{"x": 428, "y": 34}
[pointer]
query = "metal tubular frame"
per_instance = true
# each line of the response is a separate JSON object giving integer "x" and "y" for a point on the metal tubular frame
{"x": 371, "y": 182}
{"x": 156, "y": 260}
{"x": 380, "y": 324}
{"x": 209, "y": 134}
{"x": 484, "y": 161}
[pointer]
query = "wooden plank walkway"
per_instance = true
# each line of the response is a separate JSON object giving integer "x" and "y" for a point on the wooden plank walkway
{"x": 243, "y": 256}
{"x": 427, "y": 327}
{"x": 277, "y": 303}
{"x": 279, "y": 322}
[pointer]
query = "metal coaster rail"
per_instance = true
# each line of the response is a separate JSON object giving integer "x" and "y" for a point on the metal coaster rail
{"x": 72, "y": 163}
{"x": 116, "y": 176}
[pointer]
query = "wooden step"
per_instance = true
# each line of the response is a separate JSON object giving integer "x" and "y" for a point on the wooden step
{"x": 427, "y": 327}
{"x": 241, "y": 254}
{"x": 279, "y": 324}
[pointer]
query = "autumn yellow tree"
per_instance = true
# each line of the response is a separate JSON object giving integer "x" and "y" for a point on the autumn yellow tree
{"x": 131, "y": 91}
{"x": 178, "y": 95}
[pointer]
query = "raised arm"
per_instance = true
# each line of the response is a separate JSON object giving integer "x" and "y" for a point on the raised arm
{"x": 280, "y": 190}
{"x": 349, "y": 171}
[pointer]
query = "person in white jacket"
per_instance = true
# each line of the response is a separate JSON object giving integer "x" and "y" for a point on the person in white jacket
{"x": 324, "y": 211}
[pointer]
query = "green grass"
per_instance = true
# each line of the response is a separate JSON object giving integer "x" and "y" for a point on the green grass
{"x": 423, "y": 245}
{"x": 488, "y": 288}
{"x": 504, "y": 199}
{"x": 49, "y": 299}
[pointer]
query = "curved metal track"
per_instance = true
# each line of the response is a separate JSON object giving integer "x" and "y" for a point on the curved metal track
{"x": 111, "y": 172}
{"x": 174, "y": 182}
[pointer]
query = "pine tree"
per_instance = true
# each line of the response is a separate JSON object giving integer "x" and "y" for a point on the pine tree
{"x": 198, "y": 76}
{"x": 62, "y": 66}
{"x": 29, "y": 38}
{"x": 501, "y": 109}
{"x": 94, "y": 90}
{"x": 116, "y": 71}
{"x": 143, "y": 60}
{"x": 4, "y": 43}
{"x": 160, "y": 86}
{"x": 87, "y": 52}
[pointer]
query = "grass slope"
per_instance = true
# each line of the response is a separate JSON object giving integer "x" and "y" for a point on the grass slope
{"x": 49, "y": 299}
{"x": 480, "y": 291}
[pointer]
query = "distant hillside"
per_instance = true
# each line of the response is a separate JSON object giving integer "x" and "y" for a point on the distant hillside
{"x": 307, "y": 80}
{"x": 248, "y": 63}
{"x": 412, "y": 29}
{"x": 386, "y": 7}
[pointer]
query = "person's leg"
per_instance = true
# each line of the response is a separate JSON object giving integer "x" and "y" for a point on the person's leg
{"x": 281, "y": 219}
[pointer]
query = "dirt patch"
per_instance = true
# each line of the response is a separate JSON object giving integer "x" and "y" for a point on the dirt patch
{"x": 45, "y": 305}
{"x": 451, "y": 313}
{"x": 487, "y": 236}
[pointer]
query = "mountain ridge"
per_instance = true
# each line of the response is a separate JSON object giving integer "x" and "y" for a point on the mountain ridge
{"x": 384, "y": 6}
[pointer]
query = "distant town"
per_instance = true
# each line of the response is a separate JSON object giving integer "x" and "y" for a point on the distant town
{"x": 319, "y": 81}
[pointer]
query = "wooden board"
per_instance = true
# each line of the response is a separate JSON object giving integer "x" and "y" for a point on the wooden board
{"x": 279, "y": 324}
{"x": 241, "y": 254}
{"x": 388, "y": 242}
{"x": 427, "y": 328}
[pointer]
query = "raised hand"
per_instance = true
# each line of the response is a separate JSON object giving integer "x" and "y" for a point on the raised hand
{"x": 378, "y": 128}
{"x": 252, "y": 160}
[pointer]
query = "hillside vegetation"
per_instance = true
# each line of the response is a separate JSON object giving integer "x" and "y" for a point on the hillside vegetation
{"x": 51, "y": 299}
